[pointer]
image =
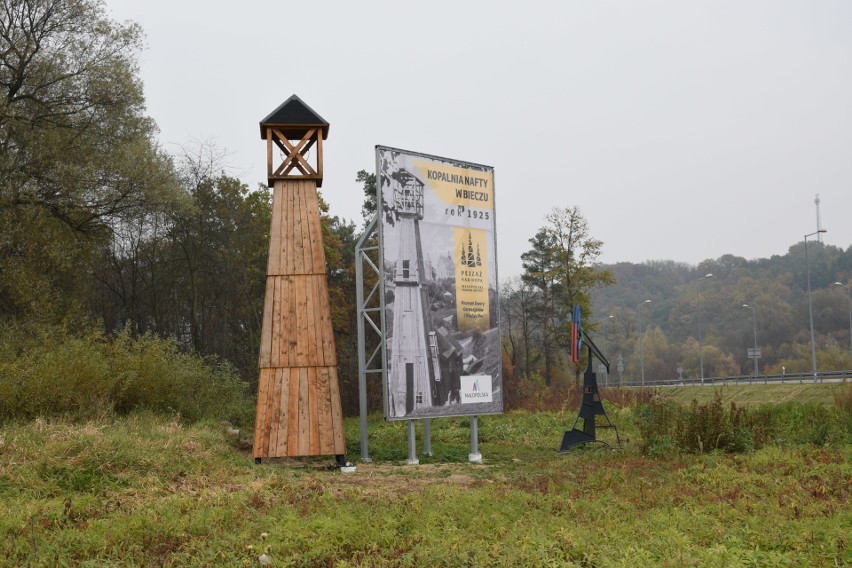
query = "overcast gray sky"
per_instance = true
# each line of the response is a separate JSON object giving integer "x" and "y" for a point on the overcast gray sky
{"x": 683, "y": 130}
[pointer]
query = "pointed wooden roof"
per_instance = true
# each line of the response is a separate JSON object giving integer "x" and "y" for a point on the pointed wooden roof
{"x": 293, "y": 118}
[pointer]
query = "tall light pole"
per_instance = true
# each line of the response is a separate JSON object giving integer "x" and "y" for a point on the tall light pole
{"x": 810, "y": 305}
{"x": 849, "y": 296}
{"x": 641, "y": 354}
{"x": 700, "y": 350}
{"x": 754, "y": 322}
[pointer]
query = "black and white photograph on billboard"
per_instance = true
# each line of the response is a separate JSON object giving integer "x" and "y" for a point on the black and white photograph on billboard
{"x": 438, "y": 239}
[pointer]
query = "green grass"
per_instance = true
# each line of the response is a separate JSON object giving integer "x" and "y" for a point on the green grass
{"x": 153, "y": 491}
{"x": 819, "y": 393}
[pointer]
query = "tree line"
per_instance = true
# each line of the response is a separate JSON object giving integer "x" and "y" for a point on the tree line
{"x": 775, "y": 291}
{"x": 645, "y": 316}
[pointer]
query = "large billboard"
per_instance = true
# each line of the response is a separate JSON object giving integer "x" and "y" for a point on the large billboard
{"x": 438, "y": 241}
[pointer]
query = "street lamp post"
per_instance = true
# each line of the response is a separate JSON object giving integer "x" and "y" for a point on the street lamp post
{"x": 849, "y": 297}
{"x": 641, "y": 354}
{"x": 754, "y": 322}
{"x": 810, "y": 305}
{"x": 700, "y": 350}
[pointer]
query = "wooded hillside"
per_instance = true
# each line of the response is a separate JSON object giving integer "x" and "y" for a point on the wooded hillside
{"x": 775, "y": 287}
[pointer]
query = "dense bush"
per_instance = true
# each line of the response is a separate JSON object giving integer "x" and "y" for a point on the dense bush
{"x": 48, "y": 371}
{"x": 667, "y": 427}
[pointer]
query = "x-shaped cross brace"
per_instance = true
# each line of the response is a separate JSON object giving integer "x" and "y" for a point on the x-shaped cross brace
{"x": 294, "y": 154}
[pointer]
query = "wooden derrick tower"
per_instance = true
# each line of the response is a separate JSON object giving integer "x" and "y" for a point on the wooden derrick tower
{"x": 298, "y": 405}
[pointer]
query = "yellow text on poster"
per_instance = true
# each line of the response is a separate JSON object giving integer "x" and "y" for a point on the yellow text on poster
{"x": 458, "y": 186}
{"x": 471, "y": 249}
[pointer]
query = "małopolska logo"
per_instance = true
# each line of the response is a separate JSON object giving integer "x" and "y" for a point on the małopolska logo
{"x": 475, "y": 388}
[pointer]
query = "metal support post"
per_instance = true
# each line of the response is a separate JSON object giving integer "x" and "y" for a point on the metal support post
{"x": 362, "y": 358}
{"x": 412, "y": 445}
{"x": 474, "y": 456}
{"x": 427, "y": 437}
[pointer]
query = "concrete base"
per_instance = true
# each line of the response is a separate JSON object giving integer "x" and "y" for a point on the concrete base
{"x": 413, "y": 462}
{"x": 474, "y": 458}
{"x": 348, "y": 469}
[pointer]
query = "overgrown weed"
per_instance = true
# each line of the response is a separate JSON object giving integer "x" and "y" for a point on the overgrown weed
{"x": 51, "y": 371}
{"x": 668, "y": 428}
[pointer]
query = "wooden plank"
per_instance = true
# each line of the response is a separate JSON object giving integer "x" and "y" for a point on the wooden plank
{"x": 336, "y": 412}
{"x": 293, "y": 417}
{"x": 260, "y": 430}
{"x": 287, "y": 245}
{"x": 319, "y": 155}
{"x": 283, "y": 239}
{"x": 282, "y": 211}
{"x": 296, "y": 222}
{"x": 329, "y": 354}
{"x": 290, "y": 330}
{"x": 307, "y": 228}
{"x": 265, "y": 358}
{"x": 260, "y": 423}
{"x": 325, "y": 423}
{"x": 273, "y": 264}
{"x": 270, "y": 411}
{"x": 288, "y": 226}
{"x": 277, "y": 331}
{"x": 282, "y": 376}
{"x": 268, "y": 153}
{"x": 313, "y": 413}
{"x": 301, "y": 321}
{"x": 315, "y": 235}
{"x": 304, "y": 409}
{"x": 283, "y": 299}
{"x": 311, "y": 307}
{"x": 326, "y": 329}
{"x": 307, "y": 239}
{"x": 274, "y": 415}
{"x": 317, "y": 331}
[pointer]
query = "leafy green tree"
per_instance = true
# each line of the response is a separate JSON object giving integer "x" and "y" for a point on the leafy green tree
{"x": 194, "y": 271}
{"x": 575, "y": 259}
{"x": 539, "y": 273}
{"x": 659, "y": 356}
{"x": 76, "y": 149}
{"x": 339, "y": 239}
{"x": 717, "y": 362}
{"x": 218, "y": 253}
{"x": 562, "y": 265}
{"x": 368, "y": 186}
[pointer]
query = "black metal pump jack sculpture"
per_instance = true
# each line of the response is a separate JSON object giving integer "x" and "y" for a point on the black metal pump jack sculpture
{"x": 590, "y": 407}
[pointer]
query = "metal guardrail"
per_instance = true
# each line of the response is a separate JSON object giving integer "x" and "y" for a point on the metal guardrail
{"x": 809, "y": 377}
